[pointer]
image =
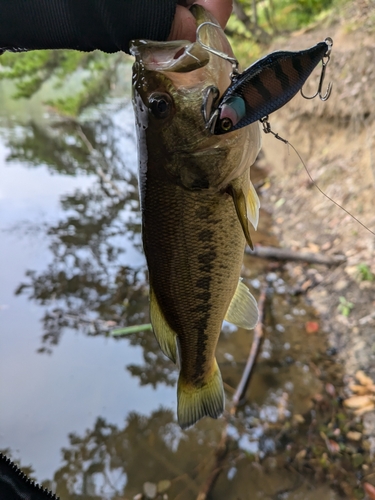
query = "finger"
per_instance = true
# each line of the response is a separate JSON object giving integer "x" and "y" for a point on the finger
{"x": 184, "y": 26}
{"x": 220, "y": 9}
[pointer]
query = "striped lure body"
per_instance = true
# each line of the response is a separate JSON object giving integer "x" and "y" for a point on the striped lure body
{"x": 265, "y": 86}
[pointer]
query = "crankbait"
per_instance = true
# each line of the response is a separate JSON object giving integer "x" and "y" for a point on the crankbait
{"x": 263, "y": 87}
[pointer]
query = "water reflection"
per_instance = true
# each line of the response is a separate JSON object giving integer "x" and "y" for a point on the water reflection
{"x": 91, "y": 284}
{"x": 257, "y": 461}
{"x": 109, "y": 460}
{"x": 85, "y": 285}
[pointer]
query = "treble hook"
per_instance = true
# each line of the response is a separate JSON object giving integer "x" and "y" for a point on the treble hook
{"x": 218, "y": 53}
{"x": 327, "y": 55}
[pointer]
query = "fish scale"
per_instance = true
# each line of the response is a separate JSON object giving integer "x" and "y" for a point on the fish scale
{"x": 197, "y": 204}
{"x": 173, "y": 236}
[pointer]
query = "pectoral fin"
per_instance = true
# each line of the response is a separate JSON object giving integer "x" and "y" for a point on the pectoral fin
{"x": 252, "y": 206}
{"x": 247, "y": 208}
{"x": 243, "y": 309}
{"x": 164, "y": 334}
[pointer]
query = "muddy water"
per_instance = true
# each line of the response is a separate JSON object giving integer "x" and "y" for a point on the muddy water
{"x": 94, "y": 416}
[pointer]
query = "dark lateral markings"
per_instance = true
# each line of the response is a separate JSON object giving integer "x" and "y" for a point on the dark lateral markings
{"x": 200, "y": 326}
{"x": 203, "y": 282}
{"x": 206, "y": 235}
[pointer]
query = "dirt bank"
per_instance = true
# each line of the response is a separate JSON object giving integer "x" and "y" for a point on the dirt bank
{"x": 337, "y": 141}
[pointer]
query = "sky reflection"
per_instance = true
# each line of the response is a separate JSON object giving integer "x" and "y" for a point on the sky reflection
{"x": 44, "y": 398}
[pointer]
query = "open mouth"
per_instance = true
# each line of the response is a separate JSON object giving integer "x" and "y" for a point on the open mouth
{"x": 181, "y": 56}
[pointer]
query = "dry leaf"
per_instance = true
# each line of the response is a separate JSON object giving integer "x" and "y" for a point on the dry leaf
{"x": 360, "y": 390}
{"x": 301, "y": 455}
{"x": 365, "y": 409}
{"x": 313, "y": 248}
{"x": 311, "y": 327}
{"x": 363, "y": 378}
{"x": 358, "y": 401}
{"x": 164, "y": 485}
{"x": 299, "y": 419}
{"x": 354, "y": 435}
{"x": 370, "y": 490}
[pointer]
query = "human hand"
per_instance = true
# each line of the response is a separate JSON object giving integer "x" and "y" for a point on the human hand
{"x": 184, "y": 26}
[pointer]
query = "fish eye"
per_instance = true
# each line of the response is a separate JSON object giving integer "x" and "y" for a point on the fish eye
{"x": 226, "y": 124}
{"x": 160, "y": 104}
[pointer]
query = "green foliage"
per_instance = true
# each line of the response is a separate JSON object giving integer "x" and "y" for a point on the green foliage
{"x": 290, "y": 15}
{"x": 256, "y": 23}
{"x": 364, "y": 273}
{"x": 82, "y": 79}
{"x": 345, "y": 306}
{"x": 86, "y": 78}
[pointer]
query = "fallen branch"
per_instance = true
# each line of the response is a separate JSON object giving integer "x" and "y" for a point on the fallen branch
{"x": 286, "y": 254}
{"x": 220, "y": 454}
{"x": 222, "y": 447}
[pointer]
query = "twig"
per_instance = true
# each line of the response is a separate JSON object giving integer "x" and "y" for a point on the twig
{"x": 222, "y": 447}
{"x": 95, "y": 153}
{"x": 246, "y": 375}
{"x": 367, "y": 319}
{"x": 286, "y": 254}
{"x": 229, "y": 388}
{"x": 220, "y": 454}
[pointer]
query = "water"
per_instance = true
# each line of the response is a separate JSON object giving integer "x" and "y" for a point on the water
{"x": 95, "y": 416}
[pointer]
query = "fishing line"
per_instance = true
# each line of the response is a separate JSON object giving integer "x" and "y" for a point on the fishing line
{"x": 267, "y": 130}
{"x": 235, "y": 99}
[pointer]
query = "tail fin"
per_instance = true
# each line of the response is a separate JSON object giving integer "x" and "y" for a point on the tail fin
{"x": 195, "y": 403}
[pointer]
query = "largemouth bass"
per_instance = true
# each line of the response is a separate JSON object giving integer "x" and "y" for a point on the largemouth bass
{"x": 197, "y": 204}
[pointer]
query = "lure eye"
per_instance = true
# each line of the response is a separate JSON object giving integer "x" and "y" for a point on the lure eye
{"x": 226, "y": 124}
{"x": 160, "y": 105}
{"x": 231, "y": 112}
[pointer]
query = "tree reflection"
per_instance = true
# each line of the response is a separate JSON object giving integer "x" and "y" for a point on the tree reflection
{"x": 251, "y": 456}
{"x": 117, "y": 462}
{"x": 112, "y": 462}
{"x": 89, "y": 284}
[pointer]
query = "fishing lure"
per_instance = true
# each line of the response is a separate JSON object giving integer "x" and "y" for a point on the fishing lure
{"x": 263, "y": 87}
{"x": 15, "y": 485}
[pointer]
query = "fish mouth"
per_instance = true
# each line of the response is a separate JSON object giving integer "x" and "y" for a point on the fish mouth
{"x": 179, "y": 56}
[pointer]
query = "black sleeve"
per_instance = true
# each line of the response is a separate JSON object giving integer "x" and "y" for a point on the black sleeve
{"x": 84, "y": 25}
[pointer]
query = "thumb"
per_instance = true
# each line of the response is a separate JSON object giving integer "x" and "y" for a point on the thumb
{"x": 220, "y": 9}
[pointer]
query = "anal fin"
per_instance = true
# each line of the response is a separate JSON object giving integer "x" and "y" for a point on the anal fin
{"x": 166, "y": 337}
{"x": 194, "y": 402}
{"x": 243, "y": 309}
